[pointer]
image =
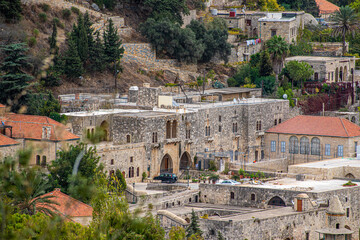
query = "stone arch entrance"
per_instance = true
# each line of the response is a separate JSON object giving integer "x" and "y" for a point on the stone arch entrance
{"x": 341, "y": 74}
{"x": 350, "y": 176}
{"x": 337, "y": 75}
{"x": 185, "y": 161}
{"x": 345, "y": 77}
{"x": 105, "y": 128}
{"x": 166, "y": 165}
{"x": 276, "y": 201}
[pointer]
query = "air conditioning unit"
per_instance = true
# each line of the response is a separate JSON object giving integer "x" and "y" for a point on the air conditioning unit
{"x": 206, "y": 149}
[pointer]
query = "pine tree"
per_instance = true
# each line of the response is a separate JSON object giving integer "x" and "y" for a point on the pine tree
{"x": 193, "y": 228}
{"x": 89, "y": 30}
{"x": 97, "y": 56}
{"x": 81, "y": 40}
{"x": 73, "y": 66}
{"x": 265, "y": 67}
{"x": 112, "y": 42}
{"x": 53, "y": 37}
{"x": 14, "y": 81}
{"x": 11, "y": 10}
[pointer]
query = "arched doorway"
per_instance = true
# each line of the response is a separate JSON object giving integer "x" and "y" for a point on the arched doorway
{"x": 345, "y": 74}
{"x": 105, "y": 128}
{"x": 166, "y": 164}
{"x": 337, "y": 75}
{"x": 185, "y": 161}
{"x": 350, "y": 175}
{"x": 276, "y": 201}
{"x": 341, "y": 74}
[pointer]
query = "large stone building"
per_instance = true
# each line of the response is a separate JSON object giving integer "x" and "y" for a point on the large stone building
{"x": 329, "y": 69}
{"x": 167, "y": 136}
{"x": 42, "y": 135}
{"x": 312, "y": 138}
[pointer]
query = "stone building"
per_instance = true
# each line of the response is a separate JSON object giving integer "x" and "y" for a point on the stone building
{"x": 312, "y": 138}
{"x": 168, "y": 137}
{"x": 326, "y": 8}
{"x": 329, "y": 69}
{"x": 41, "y": 134}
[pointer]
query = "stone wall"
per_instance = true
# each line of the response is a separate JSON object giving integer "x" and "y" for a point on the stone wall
{"x": 148, "y": 96}
{"x": 285, "y": 29}
{"x": 9, "y": 151}
{"x": 273, "y": 165}
{"x": 143, "y": 50}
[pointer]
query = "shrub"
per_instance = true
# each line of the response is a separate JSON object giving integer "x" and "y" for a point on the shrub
{"x": 43, "y": 17}
{"x": 36, "y": 32}
{"x": 212, "y": 166}
{"x": 31, "y": 41}
{"x": 75, "y": 10}
{"x": 66, "y": 13}
{"x": 45, "y": 7}
{"x": 56, "y": 21}
{"x": 143, "y": 176}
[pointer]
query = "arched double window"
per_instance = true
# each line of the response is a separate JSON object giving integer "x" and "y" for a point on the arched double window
{"x": 293, "y": 145}
{"x": 304, "y": 145}
{"x": 315, "y": 146}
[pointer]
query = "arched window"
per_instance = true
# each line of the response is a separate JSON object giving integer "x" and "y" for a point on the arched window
{"x": 315, "y": 146}
{"x": 168, "y": 129}
{"x": 279, "y": 120}
{"x": 132, "y": 172}
{"x": 253, "y": 197}
{"x": 138, "y": 171}
{"x": 236, "y": 155}
{"x": 129, "y": 172}
{"x": 275, "y": 122}
{"x": 128, "y": 138}
{"x": 43, "y": 162}
{"x": 38, "y": 160}
{"x": 258, "y": 125}
{"x": 112, "y": 162}
{"x": 293, "y": 145}
{"x": 174, "y": 129}
{"x": 304, "y": 145}
{"x": 232, "y": 195}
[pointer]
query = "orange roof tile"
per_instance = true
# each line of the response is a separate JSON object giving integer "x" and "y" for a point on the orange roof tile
{"x": 316, "y": 125}
{"x": 69, "y": 206}
{"x": 6, "y": 141}
{"x": 2, "y": 106}
{"x": 31, "y": 127}
{"x": 326, "y": 7}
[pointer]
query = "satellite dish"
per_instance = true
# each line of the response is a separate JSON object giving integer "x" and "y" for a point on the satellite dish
{"x": 285, "y": 96}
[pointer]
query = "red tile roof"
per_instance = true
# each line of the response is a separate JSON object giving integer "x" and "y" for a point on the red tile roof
{"x": 31, "y": 127}
{"x": 2, "y": 106}
{"x": 6, "y": 141}
{"x": 68, "y": 206}
{"x": 316, "y": 125}
{"x": 326, "y": 7}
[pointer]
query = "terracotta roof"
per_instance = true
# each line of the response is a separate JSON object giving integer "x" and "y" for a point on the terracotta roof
{"x": 69, "y": 206}
{"x": 6, "y": 141}
{"x": 316, "y": 125}
{"x": 2, "y": 106}
{"x": 326, "y": 7}
{"x": 31, "y": 127}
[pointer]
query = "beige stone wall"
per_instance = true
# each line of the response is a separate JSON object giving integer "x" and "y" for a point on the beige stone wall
{"x": 285, "y": 29}
{"x": 85, "y": 221}
{"x": 9, "y": 151}
{"x": 348, "y": 147}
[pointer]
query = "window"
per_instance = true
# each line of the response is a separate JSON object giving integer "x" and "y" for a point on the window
{"x": 232, "y": 195}
{"x": 38, "y": 160}
{"x": 315, "y": 146}
{"x": 131, "y": 159}
{"x": 219, "y": 128}
{"x": 304, "y": 145}
{"x": 275, "y": 122}
{"x": 128, "y": 138}
{"x": 273, "y": 33}
{"x": 187, "y": 133}
{"x": 154, "y": 137}
{"x": 248, "y": 22}
{"x": 131, "y": 172}
{"x": 236, "y": 155}
{"x": 207, "y": 131}
{"x": 234, "y": 127}
{"x": 337, "y": 225}
{"x": 355, "y": 147}
{"x": 279, "y": 120}
{"x": 253, "y": 197}
{"x": 273, "y": 146}
{"x": 327, "y": 150}
{"x": 283, "y": 146}
{"x": 316, "y": 76}
{"x": 258, "y": 125}
{"x": 168, "y": 129}
{"x": 340, "y": 151}
{"x": 174, "y": 129}
{"x": 112, "y": 162}
{"x": 43, "y": 163}
{"x": 293, "y": 145}
{"x": 138, "y": 171}
{"x": 219, "y": 118}
{"x": 347, "y": 212}
{"x": 332, "y": 76}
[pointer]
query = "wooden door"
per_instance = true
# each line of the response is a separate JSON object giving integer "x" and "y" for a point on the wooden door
{"x": 299, "y": 205}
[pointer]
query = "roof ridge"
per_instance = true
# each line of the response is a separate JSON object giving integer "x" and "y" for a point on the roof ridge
{"x": 66, "y": 195}
{"x": 344, "y": 126}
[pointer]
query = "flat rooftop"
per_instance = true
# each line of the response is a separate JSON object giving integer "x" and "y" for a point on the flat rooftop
{"x": 103, "y": 112}
{"x": 318, "y": 58}
{"x": 244, "y": 101}
{"x": 332, "y": 163}
{"x": 305, "y": 186}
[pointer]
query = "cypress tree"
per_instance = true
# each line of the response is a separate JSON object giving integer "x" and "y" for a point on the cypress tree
{"x": 89, "y": 31}
{"x": 14, "y": 81}
{"x": 53, "y": 37}
{"x": 112, "y": 42}
{"x": 82, "y": 41}
{"x": 193, "y": 228}
{"x": 97, "y": 56}
{"x": 73, "y": 66}
{"x": 265, "y": 67}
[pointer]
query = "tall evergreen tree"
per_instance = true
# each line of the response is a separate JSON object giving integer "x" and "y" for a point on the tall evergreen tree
{"x": 53, "y": 37}
{"x": 265, "y": 68}
{"x": 97, "y": 56}
{"x": 89, "y": 30}
{"x": 79, "y": 35}
{"x": 193, "y": 228}
{"x": 112, "y": 42}
{"x": 73, "y": 66}
{"x": 11, "y": 10}
{"x": 14, "y": 81}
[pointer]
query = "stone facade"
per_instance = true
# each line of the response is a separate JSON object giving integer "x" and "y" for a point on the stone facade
{"x": 330, "y": 69}
{"x": 9, "y": 151}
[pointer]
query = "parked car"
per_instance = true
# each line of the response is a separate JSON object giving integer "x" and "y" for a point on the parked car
{"x": 229, "y": 182}
{"x": 167, "y": 177}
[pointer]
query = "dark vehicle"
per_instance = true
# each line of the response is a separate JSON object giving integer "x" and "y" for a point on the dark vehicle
{"x": 167, "y": 177}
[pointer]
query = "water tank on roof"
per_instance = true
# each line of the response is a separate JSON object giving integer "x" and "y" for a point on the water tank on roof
{"x": 214, "y": 12}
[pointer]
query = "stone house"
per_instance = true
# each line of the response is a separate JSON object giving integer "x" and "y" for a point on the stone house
{"x": 43, "y": 135}
{"x": 329, "y": 69}
{"x": 312, "y": 138}
{"x": 326, "y": 8}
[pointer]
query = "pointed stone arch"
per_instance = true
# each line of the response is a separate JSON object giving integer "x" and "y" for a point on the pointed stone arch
{"x": 105, "y": 128}
{"x": 185, "y": 161}
{"x": 276, "y": 201}
{"x": 350, "y": 176}
{"x": 166, "y": 165}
